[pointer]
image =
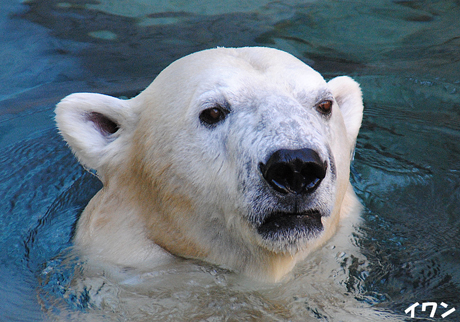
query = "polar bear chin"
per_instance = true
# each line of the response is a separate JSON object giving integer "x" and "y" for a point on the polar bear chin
{"x": 290, "y": 232}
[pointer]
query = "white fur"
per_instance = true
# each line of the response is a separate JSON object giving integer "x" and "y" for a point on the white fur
{"x": 349, "y": 97}
{"x": 171, "y": 183}
{"x": 94, "y": 150}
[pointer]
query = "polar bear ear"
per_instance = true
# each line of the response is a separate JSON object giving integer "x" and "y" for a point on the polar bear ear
{"x": 93, "y": 125}
{"x": 348, "y": 95}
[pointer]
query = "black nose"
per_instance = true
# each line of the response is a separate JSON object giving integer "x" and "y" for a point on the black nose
{"x": 294, "y": 171}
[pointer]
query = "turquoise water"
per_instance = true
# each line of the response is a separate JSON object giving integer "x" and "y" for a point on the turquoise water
{"x": 405, "y": 54}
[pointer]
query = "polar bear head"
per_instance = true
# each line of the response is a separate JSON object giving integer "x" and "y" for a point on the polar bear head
{"x": 237, "y": 156}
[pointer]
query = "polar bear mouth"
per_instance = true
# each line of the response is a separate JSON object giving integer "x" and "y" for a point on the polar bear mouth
{"x": 291, "y": 226}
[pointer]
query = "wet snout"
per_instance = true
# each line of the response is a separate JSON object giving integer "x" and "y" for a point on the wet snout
{"x": 294, "y": 171}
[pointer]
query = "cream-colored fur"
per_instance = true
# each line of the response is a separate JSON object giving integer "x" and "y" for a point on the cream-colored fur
{"x": 174, "y": 186}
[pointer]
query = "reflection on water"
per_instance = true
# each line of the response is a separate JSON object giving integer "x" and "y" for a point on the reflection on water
{"x": 408, "y": 164}
{"x": 406, "y": 168}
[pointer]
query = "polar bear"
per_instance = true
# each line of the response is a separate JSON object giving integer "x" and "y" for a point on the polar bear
{"x": 236, "y": 156}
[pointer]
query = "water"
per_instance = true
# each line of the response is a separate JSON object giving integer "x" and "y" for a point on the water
{"x": 406, "y": 168}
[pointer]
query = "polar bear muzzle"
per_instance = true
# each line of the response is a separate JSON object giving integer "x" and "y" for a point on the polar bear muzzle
{"x": 293, "y": 176}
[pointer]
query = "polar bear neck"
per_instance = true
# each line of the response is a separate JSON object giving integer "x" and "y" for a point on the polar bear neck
{"x": 141, "y": 231}
{"x": 115, "y": 214}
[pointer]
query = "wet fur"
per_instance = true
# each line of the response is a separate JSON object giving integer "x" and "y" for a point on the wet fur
{"x": 173, "y": 186}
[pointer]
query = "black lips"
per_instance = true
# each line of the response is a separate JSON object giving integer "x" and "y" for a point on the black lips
{"x": 291, "y": 226}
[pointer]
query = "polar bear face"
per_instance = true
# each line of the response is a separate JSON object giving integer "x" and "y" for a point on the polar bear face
{"x": 236, "y": 156}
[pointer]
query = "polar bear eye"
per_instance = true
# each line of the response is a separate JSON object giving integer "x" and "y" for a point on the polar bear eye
{"x": 213, "y": 115}
{"x": 325, "y": 107}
